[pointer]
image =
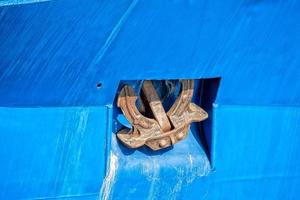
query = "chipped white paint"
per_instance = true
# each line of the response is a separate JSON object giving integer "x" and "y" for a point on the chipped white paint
{"x": 197, "y": 167}
{"x": 178, "y": 186}
{"x": 110, "y": 178}
{"x": 151, "y": 169}
{"x": 197, "y": 171}
{"x": 154, "y": 178}
{"x": 184, "y": 175}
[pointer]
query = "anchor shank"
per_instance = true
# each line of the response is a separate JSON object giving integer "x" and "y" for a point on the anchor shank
{"x": 156, "y": 106}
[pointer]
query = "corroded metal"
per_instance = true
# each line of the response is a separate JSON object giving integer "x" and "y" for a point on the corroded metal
{"x": 156, "y": 106}
{"x": 166, "y": 128}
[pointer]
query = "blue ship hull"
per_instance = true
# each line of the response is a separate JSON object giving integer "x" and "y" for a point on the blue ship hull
{"x": 61, "y": 63}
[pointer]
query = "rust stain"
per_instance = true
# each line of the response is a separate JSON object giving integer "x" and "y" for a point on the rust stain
{"x": 165, "y": 129}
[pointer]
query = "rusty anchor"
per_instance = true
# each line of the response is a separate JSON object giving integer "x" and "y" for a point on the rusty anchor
{"x": 165, "y": 129}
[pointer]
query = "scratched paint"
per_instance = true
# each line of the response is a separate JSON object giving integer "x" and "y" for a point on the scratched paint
{"x": 163, "y": 176}
{"x": 19, "y": 2}
{"x": 252, "y": 45}
{"x": 109, "y": 180}
{"x": 53, "y": 55}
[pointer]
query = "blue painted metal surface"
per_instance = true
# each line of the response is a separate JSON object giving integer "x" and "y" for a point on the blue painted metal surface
{"x": 48, "y": 152}
{"x": 57, "y": 131}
